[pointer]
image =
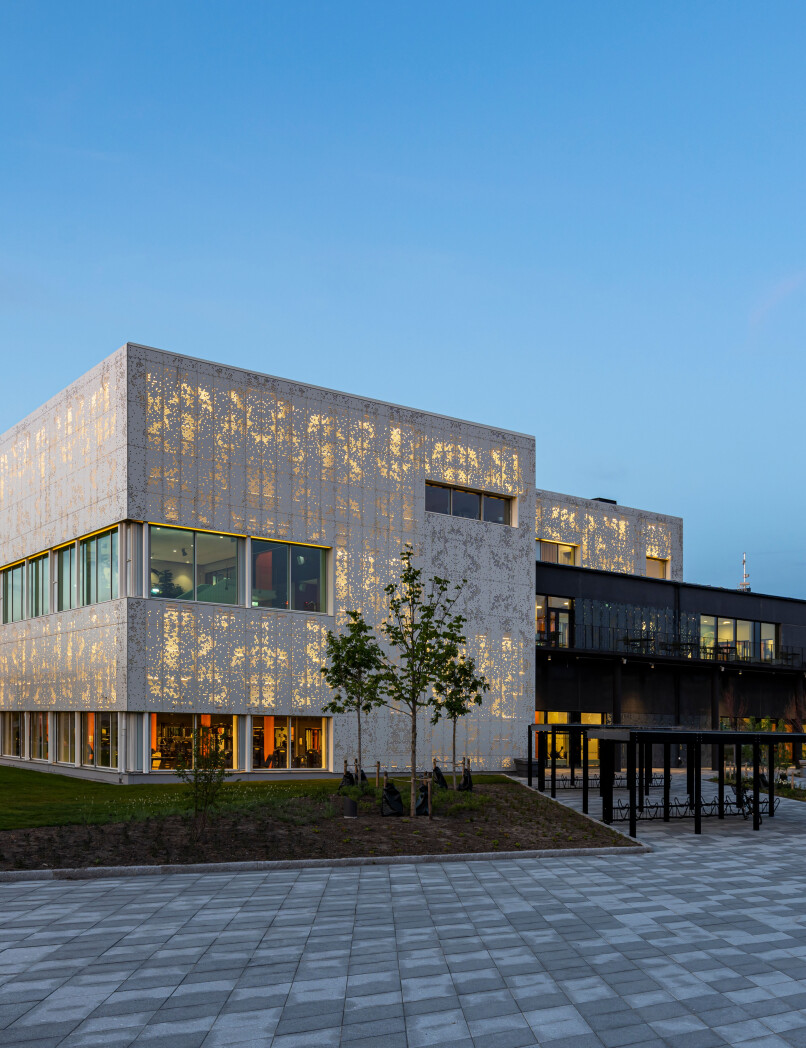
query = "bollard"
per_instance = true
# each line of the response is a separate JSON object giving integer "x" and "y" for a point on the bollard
{"x": 350, "y": 808}
{"x": 377, "y": 774}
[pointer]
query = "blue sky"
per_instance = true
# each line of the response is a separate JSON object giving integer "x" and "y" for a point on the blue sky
{"x": 580, "y": 220}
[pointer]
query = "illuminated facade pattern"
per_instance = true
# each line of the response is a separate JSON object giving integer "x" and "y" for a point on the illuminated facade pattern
{"x": 152, "y": 438}
{"x": 608, "y": 536}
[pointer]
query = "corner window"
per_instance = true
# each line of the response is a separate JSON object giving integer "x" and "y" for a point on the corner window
{"x": 472, "y": 505}
{"x": 557, "y": 552}
{"x": 657, "y": 568}
{"x": 39, "y": 585}
{"x": 14, "y": 593}
{"x": 194, "y": 565}
{"x": 288, "y": 576}
{"x": 99, "y": 567}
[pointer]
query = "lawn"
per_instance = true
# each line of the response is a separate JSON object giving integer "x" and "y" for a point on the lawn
{"x": 49, "y": 821}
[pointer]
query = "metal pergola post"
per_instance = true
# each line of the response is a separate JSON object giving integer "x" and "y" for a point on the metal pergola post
{"x": 542, "y": 742}
{"x": 756, "y": 785}
{"x": 720, "y": 751}
{"x": 667, "y": 778}
{"x": 698, "y": 786}
{"x": 554, "y": 762}
{"x": 529, "y": 745}
{"x": 771, "y": 784}
{"x": 631, "y": 747}
{"x": 606, "y": 765}
{"x": 585, "y": 762}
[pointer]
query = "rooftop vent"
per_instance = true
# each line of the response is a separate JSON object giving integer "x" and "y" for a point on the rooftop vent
{"x": 610, "y": 502}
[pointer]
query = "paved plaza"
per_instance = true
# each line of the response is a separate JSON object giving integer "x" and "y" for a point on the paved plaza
{"x": 701, "y": 943}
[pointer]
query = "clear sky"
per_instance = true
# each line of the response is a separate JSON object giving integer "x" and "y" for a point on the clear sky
{"x": 585, "y": 221}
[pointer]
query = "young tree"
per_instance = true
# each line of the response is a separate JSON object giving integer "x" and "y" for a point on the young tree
{"x": 424, "y": 635}
{"x": 460, "y": 689}
{"x": 355, "y": 665}
{"x": 204, "y": 775}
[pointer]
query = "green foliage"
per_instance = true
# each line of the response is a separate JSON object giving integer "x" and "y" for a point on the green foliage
{"x": 425, "y": 636}
{"x": 460, "y": 688}
{"x": 354, "y": 671}
{"x": 204, "y": 776}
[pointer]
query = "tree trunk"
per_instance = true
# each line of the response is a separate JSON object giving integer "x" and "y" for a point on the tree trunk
{"x": 454, "y": 752}
{"x": 360, "y": 764}
{"x": 413, "y": 804}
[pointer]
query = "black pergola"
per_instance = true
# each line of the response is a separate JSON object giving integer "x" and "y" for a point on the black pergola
{"x": 638, "y": 778}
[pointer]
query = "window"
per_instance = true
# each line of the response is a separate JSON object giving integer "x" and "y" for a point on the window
{"x": 99, "y": 567}
{"x": 66, "y": 577}
{"x": 288, "y": 742}
{"x": 12, "y": 734}
{"x": 288, "y": 576}
{"x": 437, "y": 498}
{"x": 99, "y": 738}
{"x": 553, "y": 621}
{"x": 172, "y": 737}
{"x": 472, "y": 505}
{"x": 39, "y": 736}
{"x": 657, "y": 568}
{"x": 194, "y": 565}
{"x": 557, "y": 552}
{"x": 14, "y": 593}
{"x": 66, "y": 738}
{"x": 741, "y": 639}
{"x": 39, "y": 585}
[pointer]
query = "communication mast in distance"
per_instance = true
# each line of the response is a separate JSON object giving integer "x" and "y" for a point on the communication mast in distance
{"x": 745, "y": 585}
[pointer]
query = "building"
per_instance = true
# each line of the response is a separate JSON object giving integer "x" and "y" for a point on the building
{"x": 176, "y": 538}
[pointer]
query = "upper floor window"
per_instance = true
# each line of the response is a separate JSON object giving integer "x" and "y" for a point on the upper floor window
{"x": 285, "y": 575}
{"x": 557, "y": 552}
{"x": 99, "y": 567}
{"x": 14, "y": 593}
{"x": 194, "y": 565}
{"x": 657, "y": 568}
{"x": 554, "y": 620}
{"x": 473, "y": 505}
{"x": 725, "y": 638}
{"x": 39, "y": 585}
{"x": 66, "y": 582}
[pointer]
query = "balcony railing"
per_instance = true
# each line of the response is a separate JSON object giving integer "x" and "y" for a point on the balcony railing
{"x": 669, "y": 645}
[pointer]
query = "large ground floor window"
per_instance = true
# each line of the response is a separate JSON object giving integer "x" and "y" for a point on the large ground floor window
{"x": 66, "y": 738}
{"x": 568, "y": 746}
{"x": 288, "y": 742}
{"x": 172, "y": 737}
{"x": 12, "y": 734}
{"x": 99, "y": 740}
{"x": 39, "y": 736}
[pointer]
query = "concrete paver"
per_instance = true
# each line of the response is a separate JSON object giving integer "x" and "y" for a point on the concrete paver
{"x": 700, "y": 943}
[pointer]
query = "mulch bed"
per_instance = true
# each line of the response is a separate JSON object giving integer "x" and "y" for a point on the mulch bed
{"x": 496, "y": 817}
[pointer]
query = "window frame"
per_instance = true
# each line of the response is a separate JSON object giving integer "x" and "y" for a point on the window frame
{"x": 453, "y": 489}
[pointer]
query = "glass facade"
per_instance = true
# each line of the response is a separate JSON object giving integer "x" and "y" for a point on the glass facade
{"x": 66, "y": 738}
{"x": 99, "y": 567}
{"x": 99, "y": 739}
{"x": 741, "y": 639}
{"x": 473, "y": 505}
{"x": 289, "y": 742}
{"x": 39, "y": 585}
{"x": 14, "y": 593}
